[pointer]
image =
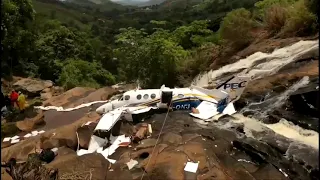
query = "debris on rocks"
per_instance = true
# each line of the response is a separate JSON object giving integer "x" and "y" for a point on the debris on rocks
{"x": 191, "y": 170}
{"x": 141, "y": 133}
{"x": 191, "y": 167}
{"x": 131, "y": 164}
{"x": 97, "y": 144}
{"x": 150, "y": 129}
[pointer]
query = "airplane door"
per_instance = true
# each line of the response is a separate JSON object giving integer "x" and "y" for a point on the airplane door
{"x": 166, "y": 97}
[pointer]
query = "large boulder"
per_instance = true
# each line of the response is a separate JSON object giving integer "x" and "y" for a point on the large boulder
{"x": 30, "y": 124}
{"x": 62, "y": 136}
{"x": 32, "y": 87}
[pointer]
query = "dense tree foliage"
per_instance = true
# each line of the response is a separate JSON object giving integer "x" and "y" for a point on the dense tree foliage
{"x": 80, "y": 43}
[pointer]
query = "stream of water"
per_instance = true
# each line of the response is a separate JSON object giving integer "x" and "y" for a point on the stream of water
{"x": 260, "y": 65}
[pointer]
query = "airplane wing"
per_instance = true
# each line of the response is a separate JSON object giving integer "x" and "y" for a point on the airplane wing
{"x": 109, "y": 119}
{"x": 206, "y": 110}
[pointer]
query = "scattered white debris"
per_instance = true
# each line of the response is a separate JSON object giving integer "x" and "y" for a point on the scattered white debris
{"x": 54, "y": 149}
{"x": 285, "y": 174}
{"x": 14, "y": 137}
{"x": 34, "y": 133}
{"x": 131, "y": 163}
{"x": 69, "y": 109}
{"x": 150, "y": 128}
{"x": 191, "y": 167}
{"x": 89, "y": 122}
{"x": 6, "y": 139}
{"x": 112, "y": 161}
{"x": 244, "y": 160}
{"x": 215, "y": 146}
{"x": 13, "y": 141}
{"x": 27, "y": 135}
{"x": 96, "y": 145}
{"x": 42, "y": 131}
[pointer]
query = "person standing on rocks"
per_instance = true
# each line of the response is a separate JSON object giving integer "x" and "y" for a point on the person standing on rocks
{"x": 14, "y": 98}
{"x": 21, "y": 101}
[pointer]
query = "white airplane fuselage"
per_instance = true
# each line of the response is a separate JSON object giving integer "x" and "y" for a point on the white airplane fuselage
{"x": 182, "y": 99}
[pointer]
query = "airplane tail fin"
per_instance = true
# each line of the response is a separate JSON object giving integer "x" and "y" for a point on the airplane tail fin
{"x": 211, "y": 95}
{"x": 234, "y": 86}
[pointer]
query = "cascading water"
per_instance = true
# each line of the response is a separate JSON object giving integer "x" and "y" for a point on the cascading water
{"x": 260, "y": 65}
{"x": 262, "y": 108}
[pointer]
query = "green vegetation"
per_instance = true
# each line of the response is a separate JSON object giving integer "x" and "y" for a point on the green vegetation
{"x": 80, "y": 43}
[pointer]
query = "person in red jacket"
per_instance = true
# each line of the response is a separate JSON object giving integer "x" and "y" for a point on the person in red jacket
{"x": 14, "y": 98}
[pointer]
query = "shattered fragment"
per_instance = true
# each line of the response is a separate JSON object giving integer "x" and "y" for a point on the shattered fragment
{"x": 191, "y": 167}
{"x": 131, "y": 163}
{"x": 149, "y": 128}
{"x": 27, "y": 135}
{"x": 6, "y": 139}
{"x": 13, "y": 141}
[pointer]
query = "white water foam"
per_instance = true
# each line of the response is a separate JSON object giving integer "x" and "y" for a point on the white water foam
{"x": 261, "y": 64}
{"x": 283, "y": 127}
{"x": 270, "y": 104}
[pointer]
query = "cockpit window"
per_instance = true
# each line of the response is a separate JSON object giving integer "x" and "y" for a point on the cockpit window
{"x": 139, "y": 96}
{"x": 120, "y": 98}
{"x": 145, "y": 96}
{"x": 126, "y": 97}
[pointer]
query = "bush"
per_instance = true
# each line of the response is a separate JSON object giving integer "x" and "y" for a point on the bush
{"x": 262, "y": 6}
{"x": 236, "y": 27}
{"x": 198, "y": 61}
{"x": 85, "y": 74}
{"x": 275, "y": 18}
{"x": 313, "y": 6}
{"x": 300, "y": 21}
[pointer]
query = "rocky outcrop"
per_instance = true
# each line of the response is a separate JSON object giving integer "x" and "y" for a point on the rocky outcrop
{"x": 30, "y": 124}
{"x": 32, "y": 87}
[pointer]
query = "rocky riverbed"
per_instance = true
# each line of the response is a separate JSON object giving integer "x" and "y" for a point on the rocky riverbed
{"x": 273, "y": 135}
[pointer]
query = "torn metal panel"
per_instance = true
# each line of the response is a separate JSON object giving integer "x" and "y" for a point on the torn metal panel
{"x": 95, "y": 143}
{"x": 109, "y": 120}
{"x": 191, "y": 167}
{"x": 206, "y": 110}
{"x": 229, "y": 109}
{"x": 131, "y": 164}
{"x": 6, "y": 139}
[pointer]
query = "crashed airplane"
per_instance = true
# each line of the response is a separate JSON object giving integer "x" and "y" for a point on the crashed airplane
{"x": 208, "y": 104}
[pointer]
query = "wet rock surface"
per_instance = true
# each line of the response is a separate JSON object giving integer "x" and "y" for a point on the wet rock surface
{"x": 226, "y": 149}
{"x": 299, "y": 107}
{"x": 222, "y": 153}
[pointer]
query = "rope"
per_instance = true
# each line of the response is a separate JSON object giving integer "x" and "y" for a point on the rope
{"x": 78, "y": 141}
{"x": 157, "y": 140}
